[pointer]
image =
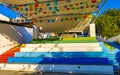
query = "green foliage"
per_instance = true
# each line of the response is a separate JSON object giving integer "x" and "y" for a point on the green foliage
{"x": 108, "y": 23}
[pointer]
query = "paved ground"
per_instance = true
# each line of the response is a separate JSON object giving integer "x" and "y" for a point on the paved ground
{"x": 35, "y": 73}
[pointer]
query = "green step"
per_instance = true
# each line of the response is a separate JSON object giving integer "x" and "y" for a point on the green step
{"x": 65, "y": 40}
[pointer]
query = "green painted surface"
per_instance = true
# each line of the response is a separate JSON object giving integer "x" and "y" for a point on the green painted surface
{"x": 65, "y": 40}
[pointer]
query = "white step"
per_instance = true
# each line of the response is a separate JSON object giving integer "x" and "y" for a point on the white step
{"x": 27, "y": 49}
{"x": 32, "y": 45}
{"x": 63, "y": 45}
{"x": 70, "y": 49}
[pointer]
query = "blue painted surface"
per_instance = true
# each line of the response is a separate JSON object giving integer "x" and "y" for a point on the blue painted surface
{"x": 116, "y": 45}
{"x": 109, "y": 54}
{"x": 114, "y": 55}
{"x": 59, "y": 54}
{"x": 7, "y": 12}
{"x": 118, "y": 55}
{"x": 37, "y": 60}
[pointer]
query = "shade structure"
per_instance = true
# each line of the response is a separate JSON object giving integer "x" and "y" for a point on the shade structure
{"x": 57, "y": 15}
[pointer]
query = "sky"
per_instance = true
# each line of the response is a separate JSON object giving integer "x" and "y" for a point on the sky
{"x": 111, "y": 4}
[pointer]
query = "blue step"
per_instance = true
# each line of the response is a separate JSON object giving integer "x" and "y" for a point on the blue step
{"x": 118, "y": 59}
{"x": 38, "y": 60}
{"x": 59, "y": 54}
{"x": 118, "y": 54}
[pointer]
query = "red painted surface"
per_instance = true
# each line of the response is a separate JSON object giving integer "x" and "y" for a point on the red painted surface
{"x": 93, "y": 1}
{"x": 9, "y": 53}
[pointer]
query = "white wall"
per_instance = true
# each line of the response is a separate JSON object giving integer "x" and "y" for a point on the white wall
{"x": 17, "y": 33}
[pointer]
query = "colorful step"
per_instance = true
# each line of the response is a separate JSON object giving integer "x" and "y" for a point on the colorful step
{"x": 65, "y": 40}
{"x": 50, "y": 60}
{"x": 59, "y": 54}
{"x": 9, "y": 53}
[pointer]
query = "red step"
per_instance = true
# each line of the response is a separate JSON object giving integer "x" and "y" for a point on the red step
{"x": 9, "y": 53}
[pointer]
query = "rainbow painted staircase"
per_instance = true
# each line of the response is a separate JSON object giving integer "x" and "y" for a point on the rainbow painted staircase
{"x": 48, "y": 56}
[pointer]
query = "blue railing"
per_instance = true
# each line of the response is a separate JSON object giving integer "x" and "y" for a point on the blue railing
{"x": 7, "y": 12}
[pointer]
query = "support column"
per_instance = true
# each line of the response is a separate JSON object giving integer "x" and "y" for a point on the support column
{"x": 92, "y": 30}
{"x": 35, "y": 32}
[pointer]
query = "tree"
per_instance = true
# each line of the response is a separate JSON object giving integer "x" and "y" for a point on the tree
{"x": 108, "y": 23}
